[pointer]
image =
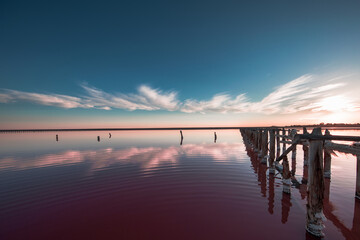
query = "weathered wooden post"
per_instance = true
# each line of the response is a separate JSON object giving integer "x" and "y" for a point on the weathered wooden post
{"x": 277, "y": 143}
{"x": 264, "y": 148}
{"x": 306, "y": 154}
{"x": 215, "y": 137}
{"x": 327, "y": 158}
{"x": 305, "y": 149}
{"x": 272, "y": 152}
{"x": 256, "y": 140}
{"x": 286, "y": 176}
{"x": 315, "y": 193}
{"x": 98, "y": 138}
{"x": 57, "y": 138}
{"x": 259, "y": 142}
{"x": 284, "y": 139}
{"x": 357, "y": 193}
{"x": 293, "y": 153}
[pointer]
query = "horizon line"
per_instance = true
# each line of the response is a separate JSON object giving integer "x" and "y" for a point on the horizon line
{"x": 156, "y": 128}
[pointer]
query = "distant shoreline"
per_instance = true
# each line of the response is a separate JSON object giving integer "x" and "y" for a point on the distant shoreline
{"x": 333, "y": 127}
{"x": 116, "y": 129}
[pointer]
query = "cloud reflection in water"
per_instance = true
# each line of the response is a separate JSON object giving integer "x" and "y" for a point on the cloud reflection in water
{"x": 148, "y": 158}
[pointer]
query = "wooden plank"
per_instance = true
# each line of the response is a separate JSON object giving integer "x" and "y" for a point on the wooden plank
{"x": 330, "y": 137}
{"x": 286, "y": 152}
{"x": 351, "y": 149}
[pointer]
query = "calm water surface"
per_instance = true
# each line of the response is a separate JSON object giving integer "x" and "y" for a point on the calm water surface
{"x": 145, "y": 185}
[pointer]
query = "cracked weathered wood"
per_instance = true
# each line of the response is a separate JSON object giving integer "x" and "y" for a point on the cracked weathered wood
{"x": 264, "y": 147}
{"x": 315, "y": 192}
{"x": 286, "y": 176}
{"x": 272, "y": 152}
{"x": 327, "y": 158}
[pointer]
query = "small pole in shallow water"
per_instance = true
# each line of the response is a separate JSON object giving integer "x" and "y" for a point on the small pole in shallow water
{"x": 109, "y": 135}
{"x": 98, "y": 138}
{"x": 57, "y": 137}
{"x": 182, "y": 138}
{"x": 215, "y": 137}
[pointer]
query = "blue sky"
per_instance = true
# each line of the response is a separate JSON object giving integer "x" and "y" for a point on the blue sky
{"x": 176, "y": 63}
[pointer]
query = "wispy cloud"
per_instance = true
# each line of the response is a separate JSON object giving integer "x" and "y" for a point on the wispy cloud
{"x": 145, "y": 99}
{"x": 306, "y": 93}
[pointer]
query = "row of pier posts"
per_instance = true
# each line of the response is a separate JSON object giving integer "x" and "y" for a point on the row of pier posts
{"x": 317, "y": 165}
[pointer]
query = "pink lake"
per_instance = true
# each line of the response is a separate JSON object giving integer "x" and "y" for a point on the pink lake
{"x": 145, "y": 185}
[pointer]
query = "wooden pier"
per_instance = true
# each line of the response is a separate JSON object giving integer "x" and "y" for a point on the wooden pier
{"x": 317, "y": 164}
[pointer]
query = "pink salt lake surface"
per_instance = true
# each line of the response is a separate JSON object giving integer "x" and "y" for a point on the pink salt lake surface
{"x": 145, "y": 185}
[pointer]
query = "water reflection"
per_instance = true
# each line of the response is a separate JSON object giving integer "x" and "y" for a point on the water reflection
{"x": 221, "y": 185}
{"x": 147, "y": 157}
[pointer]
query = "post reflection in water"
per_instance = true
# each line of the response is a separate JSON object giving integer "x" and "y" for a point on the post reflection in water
{"x": 271, "y": 193}
{"x": 285, "y": 207}
{"x": 286, "y": 200}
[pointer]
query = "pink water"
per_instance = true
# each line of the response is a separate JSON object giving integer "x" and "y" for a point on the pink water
{"x": 145, "y": 185}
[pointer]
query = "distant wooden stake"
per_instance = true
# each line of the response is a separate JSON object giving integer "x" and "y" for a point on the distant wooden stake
{"x": 327, "y": 159}
{"x": 272, "y": 152}
{"x": 315, "y": 193}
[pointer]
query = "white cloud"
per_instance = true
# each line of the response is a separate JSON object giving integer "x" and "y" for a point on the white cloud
{"x": 146, "y": 99}
{"x": 307, "y": 93}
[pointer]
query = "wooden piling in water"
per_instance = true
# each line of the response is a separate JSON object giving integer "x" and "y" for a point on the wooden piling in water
{"x": 264, "y": 147}
{"x": 272, "y": 152}
{"x": 305, "y": 149}
{"x": 277, "y": 143}
{"x": 256, "y": 140}
{"x": 327, "y": 158}
{"x": 315, "y": 193}
{"x": 259, "y": 132}
{"x": 283, "y": 139}
{"x": 357, "y": 191}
